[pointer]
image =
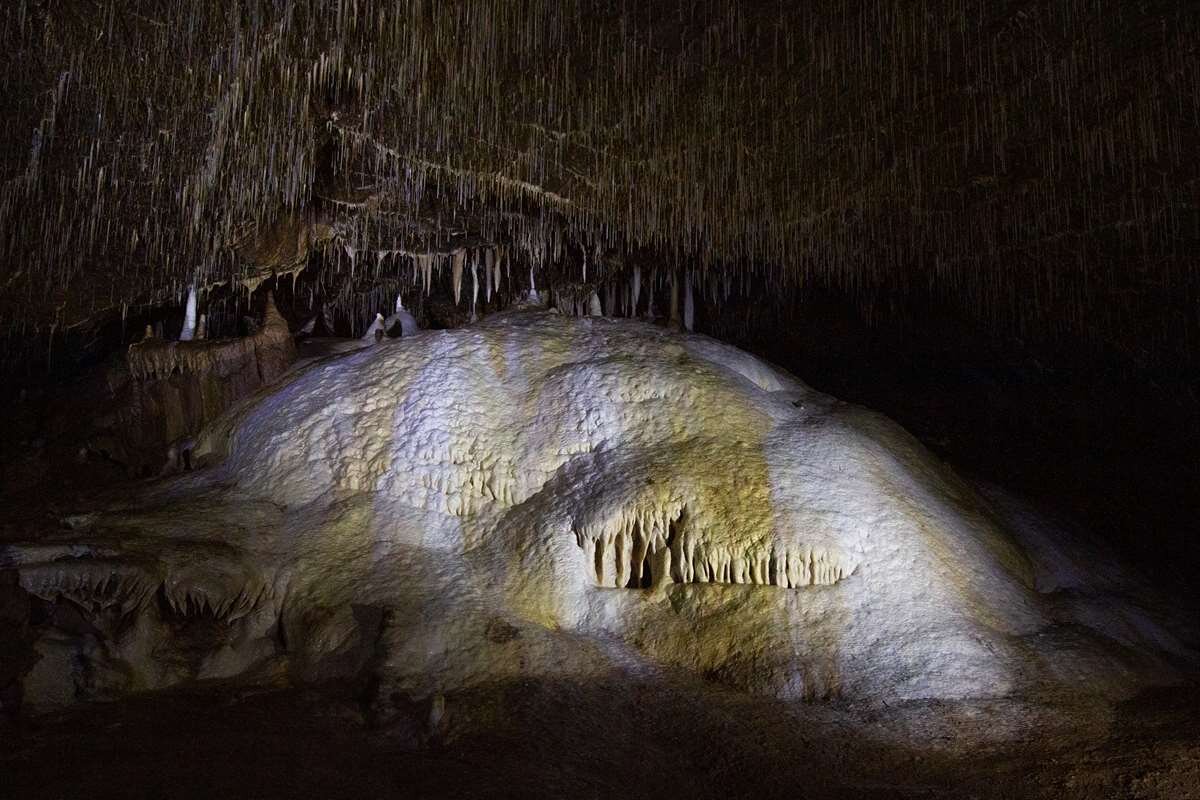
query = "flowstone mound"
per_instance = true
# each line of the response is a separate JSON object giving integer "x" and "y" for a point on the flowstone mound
{"x": 543, "y": 496}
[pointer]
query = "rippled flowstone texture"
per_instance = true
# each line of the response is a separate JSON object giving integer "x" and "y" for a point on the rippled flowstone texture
{"x": 537, "y": 496}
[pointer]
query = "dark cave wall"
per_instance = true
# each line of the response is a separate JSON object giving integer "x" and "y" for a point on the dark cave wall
{"x": 1093, "y": 432}
{"x": 132, "y": 412}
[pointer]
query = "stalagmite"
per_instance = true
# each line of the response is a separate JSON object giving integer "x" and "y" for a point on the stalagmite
{"x": 689, "y": 308}
{"x": 202, "y": 327}
{"x": 269, "y": 348}
{"x": 534, "y": 297}
{"x": 401, "y": 316}
{"x": 594, "y": 309}
{"x": 189, "y": 317}
{"x": 376, "y": 325}
{"x": 569, "y": 466}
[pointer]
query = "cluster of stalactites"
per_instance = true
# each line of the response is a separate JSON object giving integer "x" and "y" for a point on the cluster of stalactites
{"x": 611, "y": 289}
{"x": 121, "y": 588}
{"x": 602, "y": 288}
{"x": 671, "y": 545}
{"x": 805, "y": 141}
{"x": 621, "y": 295}
{"x": 416, "y": 272}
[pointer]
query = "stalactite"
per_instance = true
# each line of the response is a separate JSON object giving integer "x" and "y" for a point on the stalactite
{"x": 426, "y": 271}
{"x": 474, "y": 289}
{"x": 501, "y": 252}
{"x": 689, "y": 308}
{"x": 489, "y": 263}
{"x": 189, "y": 317}
{"x": 635, "y": 290}
{"x": 457, "y": 259}
{"x": 673, "y": 285}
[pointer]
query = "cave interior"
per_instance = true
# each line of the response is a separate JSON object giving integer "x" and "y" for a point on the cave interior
{"x": 600, "y": 398}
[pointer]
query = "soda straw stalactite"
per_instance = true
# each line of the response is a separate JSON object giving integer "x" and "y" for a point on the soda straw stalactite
{"x": 1018, "y": 159}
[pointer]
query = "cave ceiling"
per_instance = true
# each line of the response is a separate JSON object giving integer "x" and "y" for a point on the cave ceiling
{"x": 1035, "y": 160}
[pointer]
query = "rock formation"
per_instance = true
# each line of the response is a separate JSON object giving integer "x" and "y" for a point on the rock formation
{"x": 581, "y": 480}
{"x": 177, "y": 387}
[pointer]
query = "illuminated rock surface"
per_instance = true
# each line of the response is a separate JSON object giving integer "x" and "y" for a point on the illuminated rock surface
{"x": 554, "y": 497}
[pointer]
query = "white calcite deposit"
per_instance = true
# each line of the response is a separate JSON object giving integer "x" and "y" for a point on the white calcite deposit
{"x": 536, "y": 495}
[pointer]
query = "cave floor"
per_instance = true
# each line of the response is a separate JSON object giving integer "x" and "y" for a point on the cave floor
{"x": 605, "y": 739}
{"x": 623, "y": 737}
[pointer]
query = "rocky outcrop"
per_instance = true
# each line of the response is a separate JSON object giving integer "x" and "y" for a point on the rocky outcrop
{"x": 177, "y": 387}
{"x": 538, "y": 495}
